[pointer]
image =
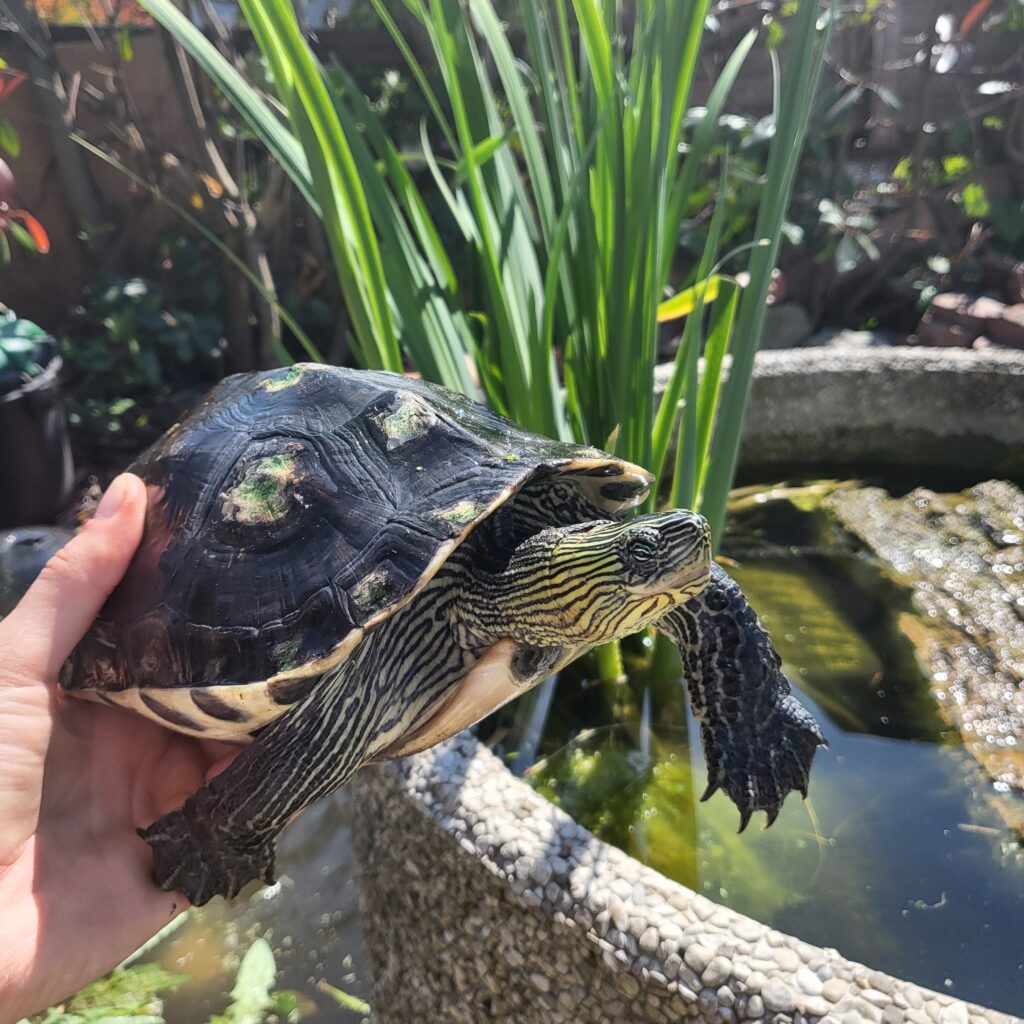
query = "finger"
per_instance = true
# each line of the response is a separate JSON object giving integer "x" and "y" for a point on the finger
{"x": 60, "y": 606}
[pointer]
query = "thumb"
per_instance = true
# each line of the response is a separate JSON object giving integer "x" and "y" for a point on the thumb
{"x": 59, "y": 607}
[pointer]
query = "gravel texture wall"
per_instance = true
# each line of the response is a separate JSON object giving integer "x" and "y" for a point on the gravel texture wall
{"x": 482, "y": 903}
{"x": 950, "y": 409}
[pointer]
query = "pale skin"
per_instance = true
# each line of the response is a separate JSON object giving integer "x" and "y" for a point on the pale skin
{"x": 77, "y": 779}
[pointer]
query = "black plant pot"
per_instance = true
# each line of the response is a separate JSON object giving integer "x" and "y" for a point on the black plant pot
{"x": 36, "y": 471}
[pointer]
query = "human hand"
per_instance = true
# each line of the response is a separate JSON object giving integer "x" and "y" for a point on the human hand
{"x": 77, "y": 779}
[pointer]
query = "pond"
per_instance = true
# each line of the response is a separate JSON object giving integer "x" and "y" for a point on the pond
{"x": 899, "y": 859}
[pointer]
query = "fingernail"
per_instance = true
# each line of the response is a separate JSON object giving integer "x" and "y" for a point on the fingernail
{"x": 111, "y": 500}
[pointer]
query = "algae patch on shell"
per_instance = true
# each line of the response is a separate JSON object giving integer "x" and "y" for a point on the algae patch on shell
{"x": 373, "y": 591}
{"x": 407, "y": 419}
{"x": 261, "y": 496}
{"x": 287, "y": 379}
{"x": 286, "y": 655}
{"x": 461, "y": 512}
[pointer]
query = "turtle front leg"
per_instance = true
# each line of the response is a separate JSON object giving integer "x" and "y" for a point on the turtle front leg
{"x": 758, "y": 739}
{"x": 224, "y": 835}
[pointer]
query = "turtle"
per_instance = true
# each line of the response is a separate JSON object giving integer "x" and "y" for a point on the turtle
{"x": 340, "y": 567}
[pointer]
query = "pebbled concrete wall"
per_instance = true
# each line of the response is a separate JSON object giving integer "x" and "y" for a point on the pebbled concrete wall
{"x": 949, "y": 409}
{"x": 482, "y": 903}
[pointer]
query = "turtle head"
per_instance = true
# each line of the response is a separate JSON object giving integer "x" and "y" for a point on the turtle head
{"x": 666, "y": 554}
{"x": 593, "y": 582}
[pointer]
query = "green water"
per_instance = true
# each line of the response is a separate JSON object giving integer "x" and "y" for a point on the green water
{"x": 899, "y": 859}
{"x": 310, "y": 917}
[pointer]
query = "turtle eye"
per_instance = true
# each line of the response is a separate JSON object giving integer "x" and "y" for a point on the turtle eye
{"x": 642, "y": 548}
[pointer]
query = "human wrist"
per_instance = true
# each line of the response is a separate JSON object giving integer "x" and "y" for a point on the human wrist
{"x": 19, "y": 992}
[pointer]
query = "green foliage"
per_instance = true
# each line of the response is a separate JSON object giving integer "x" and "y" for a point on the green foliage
{"x": 136, "y": 343}
{"x": 349, "y": 1002}
{"x": 131, "y": 995}
{"x": 19, "y": 340}
{"x": 642, "y": 800}
{"x": 959, "y": 179}
{"x": 131, "y": 333}
{"x": 9, "y": 140}
{"x": 251, "y": 994}
{"x": 975, "y": 201}
{"x": 565, "y": 182}
{"x": 128, "y": 995}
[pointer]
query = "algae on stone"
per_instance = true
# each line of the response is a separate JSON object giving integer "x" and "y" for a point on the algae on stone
{"x": 961, "y": 556}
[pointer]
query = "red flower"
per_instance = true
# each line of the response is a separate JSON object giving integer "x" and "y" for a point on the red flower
{"x": 36, "y": 230}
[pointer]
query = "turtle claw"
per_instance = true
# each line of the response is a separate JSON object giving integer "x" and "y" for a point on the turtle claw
{"x": 712, "y": 788}
{"x": 757, "y": 764}
{"x": 191, "y": 858}
{"x": 758, "y": 739}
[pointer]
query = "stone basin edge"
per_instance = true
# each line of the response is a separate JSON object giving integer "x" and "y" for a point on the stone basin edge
{"x": 675, "y": 951}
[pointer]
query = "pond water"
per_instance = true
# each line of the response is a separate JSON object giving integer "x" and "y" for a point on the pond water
{"x": 899, "y": 859}
{"x": 310, "y": 917}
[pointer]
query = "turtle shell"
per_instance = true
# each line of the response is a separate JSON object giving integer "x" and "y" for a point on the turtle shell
{"x": 294, "y": 510}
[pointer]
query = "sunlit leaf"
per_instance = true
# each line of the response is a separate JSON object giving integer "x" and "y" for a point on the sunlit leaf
{"x": 902, "y": 170}
{"x": 975, "y": 200}
{"x": 482, "y": 152}
{"x": 250, "y": 995}
{"x": 350, "y": 1002}
{"x": 955, "y": 165}
{"x": 21, "y": 236}
{"x": 128, "y": 995}
{"x": 124, "y": 44}
{"x": 683, "y": 303}
{"x": 9, "y": 140}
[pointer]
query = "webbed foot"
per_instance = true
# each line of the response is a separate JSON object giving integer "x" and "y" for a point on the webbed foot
{"x": 756, "y": 763}
{"x": 196, "y": 860}
{"x": 759, "y": 740}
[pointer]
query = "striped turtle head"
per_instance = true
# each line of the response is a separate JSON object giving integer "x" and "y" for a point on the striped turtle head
{"x": 593, "y": 582}
{"x": 628, "y": 574}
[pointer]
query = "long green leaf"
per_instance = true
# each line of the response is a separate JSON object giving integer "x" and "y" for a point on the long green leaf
{"x": 350, "y": 230}
{"x": 792, "y": 116}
